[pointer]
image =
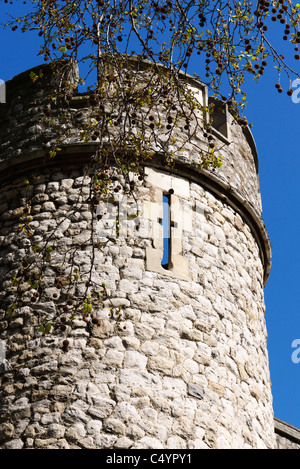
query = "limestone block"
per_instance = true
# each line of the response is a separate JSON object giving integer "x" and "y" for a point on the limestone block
{"x": 142, "y": 378}
{"x": 160, "y": 364}
{"x": 134, "y": 359}
{"x": 166, "y": 182}
{"x": 103, "y": 441}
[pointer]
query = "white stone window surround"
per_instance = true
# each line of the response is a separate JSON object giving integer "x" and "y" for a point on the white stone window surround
{"x": 220, "y": 121}
{"x": 180, "y": 220}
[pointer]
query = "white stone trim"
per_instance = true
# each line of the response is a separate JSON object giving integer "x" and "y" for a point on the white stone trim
{"x": 181, "y": 220}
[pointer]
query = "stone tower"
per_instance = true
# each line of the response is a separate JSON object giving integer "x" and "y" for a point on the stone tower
{"x": 176, "y": 355}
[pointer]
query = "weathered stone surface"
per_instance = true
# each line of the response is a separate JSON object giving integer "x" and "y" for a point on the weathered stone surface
{"x": 167, "y": 360}
{"x": 195, "y": 391}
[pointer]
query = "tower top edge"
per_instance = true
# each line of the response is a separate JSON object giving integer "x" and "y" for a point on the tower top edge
{"x": 138, "y": 63}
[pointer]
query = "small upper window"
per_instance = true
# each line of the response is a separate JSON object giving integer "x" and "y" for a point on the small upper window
{"x": 219, "y": 118}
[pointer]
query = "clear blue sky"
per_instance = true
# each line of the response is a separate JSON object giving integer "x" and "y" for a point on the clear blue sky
{"x": 276, "y": 131}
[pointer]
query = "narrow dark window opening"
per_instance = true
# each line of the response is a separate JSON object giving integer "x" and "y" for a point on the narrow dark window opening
{"x": 166, "y": 232}
{"x": 219, "y": 117}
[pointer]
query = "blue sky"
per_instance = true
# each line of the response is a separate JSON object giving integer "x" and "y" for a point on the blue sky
{"x": 276, "y": 121}
{"x": 276, "y": 130}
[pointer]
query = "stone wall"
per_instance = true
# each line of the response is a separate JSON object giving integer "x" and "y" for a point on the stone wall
{"x": 171, "y": 358}
{"x": 185, "y": 366}
{"x": 23, "y": 130}
{"x": 23, "y": 133}
{"x": 287, "y": 436}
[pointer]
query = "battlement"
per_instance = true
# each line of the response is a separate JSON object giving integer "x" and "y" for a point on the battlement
{"x": 23, "y": 131}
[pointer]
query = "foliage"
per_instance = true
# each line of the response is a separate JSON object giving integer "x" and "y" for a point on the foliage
{"x": 228, "y": 38}
{"x": 231, "y": 35}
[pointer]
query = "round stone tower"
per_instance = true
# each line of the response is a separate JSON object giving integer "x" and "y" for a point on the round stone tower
{"x": 175, "y": 355}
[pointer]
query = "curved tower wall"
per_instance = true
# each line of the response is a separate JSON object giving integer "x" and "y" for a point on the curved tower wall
{"x": 176, "y": 357}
